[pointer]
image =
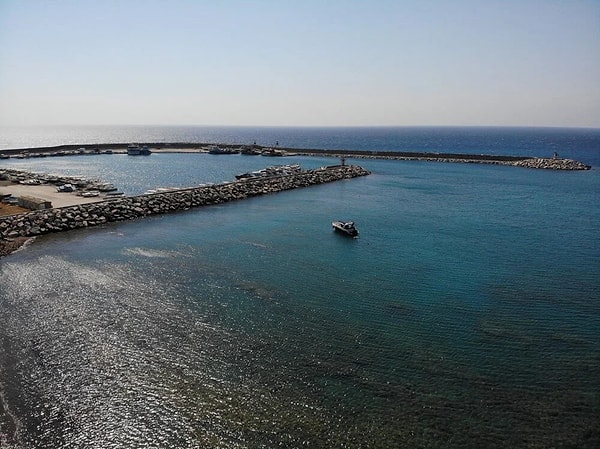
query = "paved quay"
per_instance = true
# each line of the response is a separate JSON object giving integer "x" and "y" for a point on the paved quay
{"x": 47, "y": 193}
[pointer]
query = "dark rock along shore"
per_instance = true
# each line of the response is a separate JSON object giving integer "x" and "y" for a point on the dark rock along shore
{"x": 16, "y": 227}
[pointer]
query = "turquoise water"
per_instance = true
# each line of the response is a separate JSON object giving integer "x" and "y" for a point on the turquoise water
{"x": 467, "y": 314}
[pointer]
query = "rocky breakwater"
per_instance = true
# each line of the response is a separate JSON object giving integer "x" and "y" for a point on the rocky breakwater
{"x": 554, "y": 163}
{"x": 551, "y": 164}
{"x": 128, "y": 208}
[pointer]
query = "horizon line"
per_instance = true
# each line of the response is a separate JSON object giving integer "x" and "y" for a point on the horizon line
{"x": 297, "y": 126}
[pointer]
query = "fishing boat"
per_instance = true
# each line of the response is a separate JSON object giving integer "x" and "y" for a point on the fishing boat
{"x": 346, "y": 228}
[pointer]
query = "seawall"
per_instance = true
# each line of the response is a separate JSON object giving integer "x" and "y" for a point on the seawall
{"x": 554, "y": 163}
{"x": 128, "y": 208}
{"x": 546, "y": 163}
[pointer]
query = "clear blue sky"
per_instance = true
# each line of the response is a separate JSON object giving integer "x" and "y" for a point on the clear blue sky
{"x": 304, "y": 62}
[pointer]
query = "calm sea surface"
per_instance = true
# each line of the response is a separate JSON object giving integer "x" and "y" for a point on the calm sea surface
{"x": 467, "y": 314}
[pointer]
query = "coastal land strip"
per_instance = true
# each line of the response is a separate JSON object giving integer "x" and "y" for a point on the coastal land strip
{"x": 553, "y": 163}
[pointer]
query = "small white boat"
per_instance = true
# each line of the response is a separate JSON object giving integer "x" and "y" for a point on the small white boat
{"x": 90, "y": 194}
{"x": 346, "y": 228}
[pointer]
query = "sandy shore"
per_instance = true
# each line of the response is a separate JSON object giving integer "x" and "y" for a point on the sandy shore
{"x": 47, "y": 193}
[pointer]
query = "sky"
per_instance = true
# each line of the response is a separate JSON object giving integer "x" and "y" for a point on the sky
{"x": 300, "y": 62}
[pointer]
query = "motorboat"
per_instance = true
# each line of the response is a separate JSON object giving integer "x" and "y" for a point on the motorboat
{"x": 345, "y": 227}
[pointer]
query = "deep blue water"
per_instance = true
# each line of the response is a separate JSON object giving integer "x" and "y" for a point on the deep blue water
{"x": 578, "y": 143}
{"x": 466, "y": 315}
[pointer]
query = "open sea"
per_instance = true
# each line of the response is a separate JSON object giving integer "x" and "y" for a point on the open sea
{"x": 467, "y": 314}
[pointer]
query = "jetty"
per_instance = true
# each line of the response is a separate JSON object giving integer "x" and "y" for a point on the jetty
{"x": 548, "y": 163}
{"x": 107, "y": 210}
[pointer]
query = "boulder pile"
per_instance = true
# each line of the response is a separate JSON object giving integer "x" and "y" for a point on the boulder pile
{"x": 128, "y": 208}
{"x": 551, "y": 164}
{"x": 513, "y": 161}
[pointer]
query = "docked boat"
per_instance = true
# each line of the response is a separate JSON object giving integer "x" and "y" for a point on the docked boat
{"x": 218, "y": 150}
{"x": 105, "y": 187}
{"x": 249, "y": 151}
{"x": 274, "y": 170}
{"x": 161, "y": 190}
{"x": 345, "y": 227}
{"x": 272, "y": 152}
{"x": 30, "y": 182}
{"x": 135, "y": 150}
{"x": 65, "y": 188}
{"x": 89, "y": 193}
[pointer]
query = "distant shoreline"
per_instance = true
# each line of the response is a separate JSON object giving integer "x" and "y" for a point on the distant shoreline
{"x": 554, "y": 163}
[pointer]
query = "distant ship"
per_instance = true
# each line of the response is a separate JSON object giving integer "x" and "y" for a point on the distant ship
{"x": 345, "y": 227}
{"x": 135, "y": 150}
